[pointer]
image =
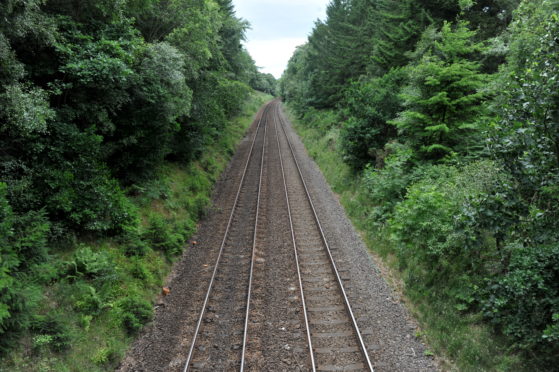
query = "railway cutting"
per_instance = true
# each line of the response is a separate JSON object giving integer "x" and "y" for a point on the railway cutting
{"x": 269, "y": 287}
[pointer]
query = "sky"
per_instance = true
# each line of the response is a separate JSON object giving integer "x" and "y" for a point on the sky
{"x": 277, "y": 28}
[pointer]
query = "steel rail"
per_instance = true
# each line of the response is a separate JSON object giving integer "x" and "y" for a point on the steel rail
{"x": 249, "y": 293}
{"x": 299, "y": 276}
{"x": 218, "y": 260}
{"x": 327, "y": 246}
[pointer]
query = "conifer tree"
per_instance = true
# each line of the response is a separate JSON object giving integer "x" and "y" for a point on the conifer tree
{"x": 399, "y": 25}
{"x": 443, "y": 96}
{"x": 338, "y": 51}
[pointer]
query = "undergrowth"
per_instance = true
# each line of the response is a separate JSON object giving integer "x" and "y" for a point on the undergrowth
{"x": 88, "y": 299}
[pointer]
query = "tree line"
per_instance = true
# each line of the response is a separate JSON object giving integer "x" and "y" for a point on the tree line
{"x": 95, "y": 95}
{"x": 448, "y": 111}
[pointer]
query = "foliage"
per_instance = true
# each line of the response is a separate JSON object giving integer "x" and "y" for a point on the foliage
{"x": 369, "y": 105}
{"x": 91, "y": 265}
{"x": 11, "y": 305}
{"x": 51, "y": 331}
{"x": 448, "y": 117}
{"x": 88, "y": 282}
{"x": 401, "y": 23}
{"x": 523, "y": 302}
{"x": 525, "y": 133}
{"x": 387, "y": 186}
{"x": 442, "y": 99}
{"x": 96, "y": 97}
{"x": 265, "y": 83}
{"x": 25, "y": 110}
{"x": 161, "y": 236}
{"x": 135, "y": 313}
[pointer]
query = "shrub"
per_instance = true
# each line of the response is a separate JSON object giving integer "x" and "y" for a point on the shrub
{"x": 75, "y": 186}
{"x": 524, "y": 302}
{"x": 161, "y": 236}
{"x": 91, "y": 265}
{"x": 51, "y": 331}
{"x": 134, "y": 313}
{"x": 47, "y": 272}
{"x": 105, "y": 355}
{"x": 88, "y": 301}
{"x": 30, "y": 237}
{"x": 12, "y": 306}
{"x": 133, "y": 243}
{"x": 440, "y": 230}
{"x": 139, "y": 270}
{"x": 387, "y": 186}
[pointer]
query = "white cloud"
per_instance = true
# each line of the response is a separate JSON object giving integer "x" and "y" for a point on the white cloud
{"x": 272, "y": 55}
{"x": 278, "y": 27}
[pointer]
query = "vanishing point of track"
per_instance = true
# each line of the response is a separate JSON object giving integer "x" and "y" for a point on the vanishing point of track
{"x": 330, "y": 339}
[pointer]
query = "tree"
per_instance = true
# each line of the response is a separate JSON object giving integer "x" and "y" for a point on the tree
{"x": 444, "y": 93}
{"x": 526, "y": 135}
{"x": 399, "y": 26}
{"x": 369, "y": 105}
{"x": 337, "y": 51}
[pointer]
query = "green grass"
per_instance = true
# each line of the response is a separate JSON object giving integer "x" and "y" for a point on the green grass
{"x": 87, "y": 310}
{"x": 459, "y": 341}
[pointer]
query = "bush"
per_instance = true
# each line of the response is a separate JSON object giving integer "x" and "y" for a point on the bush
{"x": 134, "y": 313}
{"x": 75, "y": 187}
{"x": 524, "y": 302}
{"x": 91, "y": 265}
{"x": 12, "y": 305}
{"x": 440, "y": 228}
{"x": 133, "y": 243}
{"x": 387, "y": 186}
{"x": 87, "y": 300}
{"x": 162, "y": 237}
{"x": 47, "y": 272}
{"x": 30, "y": 238}
{"x": 51, "y": 331}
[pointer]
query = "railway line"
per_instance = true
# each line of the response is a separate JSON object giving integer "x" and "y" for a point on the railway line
{"x": 275, "y": 300}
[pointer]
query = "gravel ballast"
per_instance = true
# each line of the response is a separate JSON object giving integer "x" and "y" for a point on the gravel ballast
{"x": 387, "y": 328}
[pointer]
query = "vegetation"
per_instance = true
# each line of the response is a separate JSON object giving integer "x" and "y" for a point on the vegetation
{"x": 85, "y": 302}
{"x": 115, "y": 119}
{"x": 447, "y": 121}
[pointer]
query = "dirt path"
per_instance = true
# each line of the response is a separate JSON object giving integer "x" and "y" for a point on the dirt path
{"x": 277, "y": 338}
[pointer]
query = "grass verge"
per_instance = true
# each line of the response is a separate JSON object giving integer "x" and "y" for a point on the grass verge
{"x": 91, "y": 298}
{"x": 460, "y": 341}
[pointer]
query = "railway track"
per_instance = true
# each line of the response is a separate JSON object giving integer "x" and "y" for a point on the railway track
{"x": 276, "y": 300}
{"x": 217, "y": 340}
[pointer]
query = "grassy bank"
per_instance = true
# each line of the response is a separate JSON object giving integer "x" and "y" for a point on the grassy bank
{"x": 458, "y": 337}
{"x": 90, "y": 297}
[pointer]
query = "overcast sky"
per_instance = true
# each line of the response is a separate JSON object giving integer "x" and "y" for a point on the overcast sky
{"x": 277, "y": 27}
